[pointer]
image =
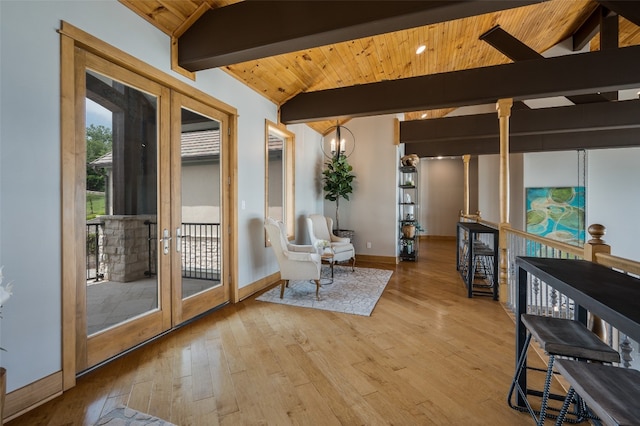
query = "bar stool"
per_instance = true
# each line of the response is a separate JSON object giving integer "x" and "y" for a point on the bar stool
{"x": 482, "y": 266}
{"x": 612, "y": 393}
{"x": 563, "y": 338}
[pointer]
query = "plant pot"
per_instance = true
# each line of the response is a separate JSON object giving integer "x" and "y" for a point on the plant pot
{"x": 345, "y": 233}
{"x": 408, "y": 231}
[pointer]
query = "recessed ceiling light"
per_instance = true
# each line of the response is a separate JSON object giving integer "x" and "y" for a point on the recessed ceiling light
{"x": 424, "y": 115}
{"x": 420, "y": 49}
{"x": 439, "y": 157}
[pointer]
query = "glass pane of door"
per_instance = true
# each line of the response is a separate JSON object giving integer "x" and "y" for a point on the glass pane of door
{"x": 201, "y": 243}
{"x": 121, "y": 199}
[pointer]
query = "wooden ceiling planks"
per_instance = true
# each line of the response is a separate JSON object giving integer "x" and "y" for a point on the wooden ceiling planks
{"x": 165, "y": 15}
{"x": 451, "y": 46}
{"x": 169, "y": 15}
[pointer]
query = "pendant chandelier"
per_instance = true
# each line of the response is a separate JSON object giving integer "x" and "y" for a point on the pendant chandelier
{"x": 338, "y": 141}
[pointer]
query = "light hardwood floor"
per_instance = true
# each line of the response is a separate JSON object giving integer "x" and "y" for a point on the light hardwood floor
{"x": 428, "y": 355}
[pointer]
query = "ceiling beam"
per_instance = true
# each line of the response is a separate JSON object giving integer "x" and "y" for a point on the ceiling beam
{"x": 535, "y": 129}
{"x": 251, "y": 30}
{"x": 622, "y": 138}
{"x": 516, "y": 50}
{"x": 626, "y": 8}
{"x": 588, "y": 30}
{"x": 574, "y": 118}
{"x": 508, "y": 45}
{"x": 608, "y": 70}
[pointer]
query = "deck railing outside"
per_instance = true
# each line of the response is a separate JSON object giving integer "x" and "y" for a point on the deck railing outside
{"x": 94, "y": 250}
{"x": 199, "y": 247}
{"x": 200, "y": 250}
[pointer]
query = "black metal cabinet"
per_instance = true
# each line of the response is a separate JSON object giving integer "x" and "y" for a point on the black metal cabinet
{"x": 477, "y": 258}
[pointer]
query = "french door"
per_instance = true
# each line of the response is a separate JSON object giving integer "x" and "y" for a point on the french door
{"x": 154, "y": 251}
{"x": 198, "y": 138}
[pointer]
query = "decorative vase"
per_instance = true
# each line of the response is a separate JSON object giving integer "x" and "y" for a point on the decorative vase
{"x": 408, "y": 231}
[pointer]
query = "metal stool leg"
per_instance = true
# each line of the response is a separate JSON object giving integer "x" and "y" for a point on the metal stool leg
{"x": 545, "y": 391}
{"x": 539, "y": 416}
{"x": 565, "y": 406}
{"x": 515, "y": 386}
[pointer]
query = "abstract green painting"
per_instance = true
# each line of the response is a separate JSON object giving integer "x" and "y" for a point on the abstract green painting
{"x": 557, "y": 213}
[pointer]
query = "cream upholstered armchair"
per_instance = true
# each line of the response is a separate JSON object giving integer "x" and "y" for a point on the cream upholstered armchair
{"x": 319, "y": 228}
{"x": 297, "y": 262}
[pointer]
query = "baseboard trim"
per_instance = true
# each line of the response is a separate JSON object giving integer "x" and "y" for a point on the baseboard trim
{"x": 387, "y": 260}
{"x": 438, "y": 237}
{"x": 32, "y": 395}
{"x": 261, "y": 284}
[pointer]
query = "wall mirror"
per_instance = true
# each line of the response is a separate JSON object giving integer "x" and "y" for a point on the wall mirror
{"x": 280, "y": 175}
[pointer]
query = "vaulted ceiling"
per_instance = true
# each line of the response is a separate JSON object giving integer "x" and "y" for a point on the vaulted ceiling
{"x": 450, "y": 46}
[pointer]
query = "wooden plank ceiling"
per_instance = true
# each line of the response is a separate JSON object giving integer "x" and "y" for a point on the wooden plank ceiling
{"x": 451, "y": 46}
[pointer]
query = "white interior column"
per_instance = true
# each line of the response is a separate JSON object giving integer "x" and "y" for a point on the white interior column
{"x": 504, "y": 112}
{"x": 465, "y": 159}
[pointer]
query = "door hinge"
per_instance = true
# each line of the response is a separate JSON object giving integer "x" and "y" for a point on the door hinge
{"x": 229, "y": 131}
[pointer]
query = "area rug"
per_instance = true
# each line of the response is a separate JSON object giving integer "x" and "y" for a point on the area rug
{"x": 125, "y": 416}
{"x": 354, "y": 292}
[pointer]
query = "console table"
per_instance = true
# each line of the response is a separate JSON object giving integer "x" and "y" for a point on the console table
{"x": 611, "y": 295}
{"x": 468, "y": 251}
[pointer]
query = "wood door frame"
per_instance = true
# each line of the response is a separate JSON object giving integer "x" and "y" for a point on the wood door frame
{"x": 185, "y": 309}
{"x": 72, "y": 42}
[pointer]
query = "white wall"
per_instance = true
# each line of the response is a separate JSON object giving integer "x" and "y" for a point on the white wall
{"x": 546, "y": 169}
{"x": 489, "y": 189}
{"x": 442, "y": 195}
{"x": 613, "y": 197}
{"x": 30, "y": 233}
{"x": 372, "y": 209}
{"x": 309, "y": 160}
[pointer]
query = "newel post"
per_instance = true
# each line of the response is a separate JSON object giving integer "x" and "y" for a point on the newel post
{"x": 592, "y": 247}
{"x": 596, "y": 244}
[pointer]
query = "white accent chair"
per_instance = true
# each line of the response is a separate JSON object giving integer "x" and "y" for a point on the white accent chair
{"x": 297, "y": 262}
{"x": 319, "y": 228}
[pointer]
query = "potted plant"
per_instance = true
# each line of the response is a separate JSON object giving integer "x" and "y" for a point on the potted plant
{"x": 338, "y": 181}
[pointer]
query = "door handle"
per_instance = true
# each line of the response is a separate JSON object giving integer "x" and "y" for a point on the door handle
{"x": 178, "y": 239}
{"x": 165, "y": 241}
